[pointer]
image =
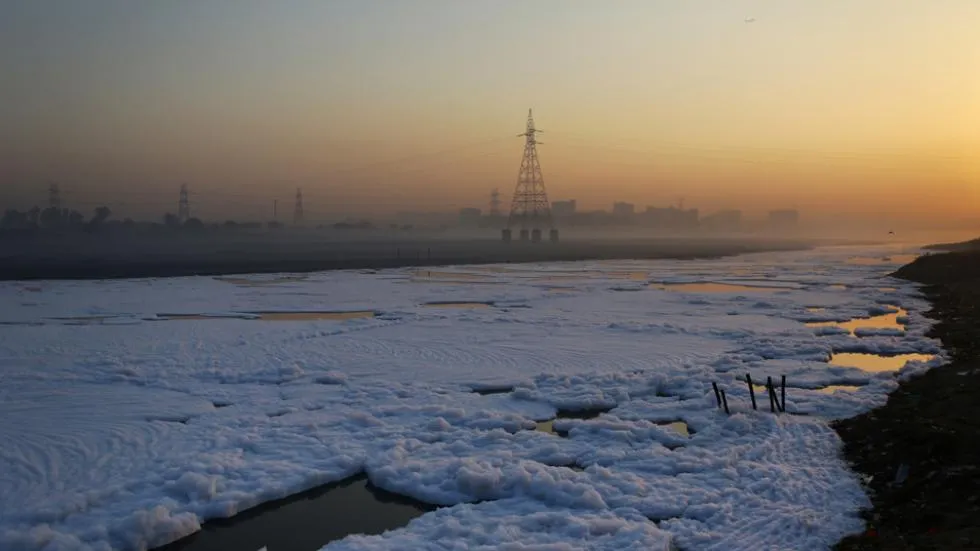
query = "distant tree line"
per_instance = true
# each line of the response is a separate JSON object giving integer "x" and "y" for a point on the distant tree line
{"x": 37, "y": 220}
{"x": 54, "y": 219}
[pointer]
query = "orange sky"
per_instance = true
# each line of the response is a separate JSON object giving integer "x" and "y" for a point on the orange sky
{"x": 381, "y": 106}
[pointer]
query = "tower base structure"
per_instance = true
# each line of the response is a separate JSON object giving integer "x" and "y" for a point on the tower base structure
{"x": 553, "y": 235}
{"x": 505, "y": 235}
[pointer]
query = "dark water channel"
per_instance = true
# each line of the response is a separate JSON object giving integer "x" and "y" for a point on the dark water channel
{"x": 548, "y": 425}
{"x": 307, "y": 521}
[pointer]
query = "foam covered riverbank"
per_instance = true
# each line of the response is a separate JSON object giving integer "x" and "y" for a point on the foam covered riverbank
{"x": 127, "y": 427}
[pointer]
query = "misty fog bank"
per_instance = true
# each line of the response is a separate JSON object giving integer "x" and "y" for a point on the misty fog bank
{"x": 83, "y": 257}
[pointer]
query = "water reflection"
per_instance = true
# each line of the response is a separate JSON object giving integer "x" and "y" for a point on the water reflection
{"x": 884, "y": 321}
{"x": 249, "y": 282}
{"x": 633, "y": 276}
{"x": 876, "y": 362}
{"x": 307, "y": 521}
{"x": 875, "y": 261}
{"x": 680, "y": 427}
{"x": 548, "y": 426}
{"x": 835, "y": 388}
{"x": 490, "y": 390}
{"x": 458, "y": 305}
{"x": 710, "y": 287}
{"x": 429, "y": 274}
{"x": 276, "y": 316}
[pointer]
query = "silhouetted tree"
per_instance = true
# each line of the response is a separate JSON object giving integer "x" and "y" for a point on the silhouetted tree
{"x": 170, "y": 220}
{"x": 98, "y": 219}
{"x": 75, "y": 219}
{"x": 194, "y": 224}
{"x": 15, "y": 219}
{"x": 51, "y": 218}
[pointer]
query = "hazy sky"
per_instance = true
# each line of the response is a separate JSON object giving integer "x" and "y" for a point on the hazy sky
{"x": 382, "y": 105}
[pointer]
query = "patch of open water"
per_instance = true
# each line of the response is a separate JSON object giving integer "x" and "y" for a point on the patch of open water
{"x": 875, "y": 261}
{"x": 884, "y": 321}
{"x": 450, "y": 304}
{"x": 548, "y": 425}
{"x": 876, "y": 362}
{"x": 307, "y": 521}
{"x": 711, "y": 287}
{"x": 278, "y": 316}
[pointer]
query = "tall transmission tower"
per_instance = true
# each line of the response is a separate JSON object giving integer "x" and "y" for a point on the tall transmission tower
{"x": 530, "y": 209}
{"x": 298, "y": 209}
{"x": 183, "y": 205}
{"x": 54, "y": 197}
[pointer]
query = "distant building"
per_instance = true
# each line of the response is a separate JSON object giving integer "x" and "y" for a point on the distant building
{"x": 563, "y": 209}
{"x": 426, "y": 219}
{"x": 784, "y": 219}
{"x": 469, "y": 217}
{"x": 670, "y": 218}
{"x": 724, "y": 220}
{"x": 623, "y": 210}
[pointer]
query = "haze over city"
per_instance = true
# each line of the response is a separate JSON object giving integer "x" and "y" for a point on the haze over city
{"x": 386, "y": 275}
{"x": 838, "y": 109}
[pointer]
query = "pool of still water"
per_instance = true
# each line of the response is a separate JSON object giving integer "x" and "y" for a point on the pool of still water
{"x": 710, "y": 287}
{"x": 875, "y": 362}
{"x": 884, "y": 321}
{"x": 307, "y": 521}
{"x": 548, "y": 425}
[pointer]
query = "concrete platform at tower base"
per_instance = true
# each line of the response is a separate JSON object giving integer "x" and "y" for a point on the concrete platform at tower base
{"x": 534, "y": 235}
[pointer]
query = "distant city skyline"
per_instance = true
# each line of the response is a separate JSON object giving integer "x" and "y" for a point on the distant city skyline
{"x": 839, "y": 109}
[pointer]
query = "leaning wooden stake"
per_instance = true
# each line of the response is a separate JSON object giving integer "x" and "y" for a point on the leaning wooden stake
{"x": 772, "y": 395}
{"x": 748, "y": 379}
{"x": 724, "y": 401}
{"x": 717, "y": 394}
{"x": 782, "y": 400}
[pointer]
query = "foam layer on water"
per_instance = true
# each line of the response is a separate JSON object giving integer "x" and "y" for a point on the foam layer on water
{"x": 130, "y": 432}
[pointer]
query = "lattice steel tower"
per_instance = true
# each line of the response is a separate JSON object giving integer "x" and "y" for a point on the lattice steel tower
{"x": 298, "y": 208}
{"x": 183, "y": 205}
{"x": 54, "y": 197}
{"x": 495, "y": 203}
{"x": 530, "y": 210}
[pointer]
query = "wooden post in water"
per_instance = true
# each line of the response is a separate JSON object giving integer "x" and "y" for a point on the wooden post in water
{"x": 772, "y": 395}
{"x": 724, "y": 400}
{"x": 782, "y": 401}
{"x": 748, "y": 379}
{"x": 714, "y": 385}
